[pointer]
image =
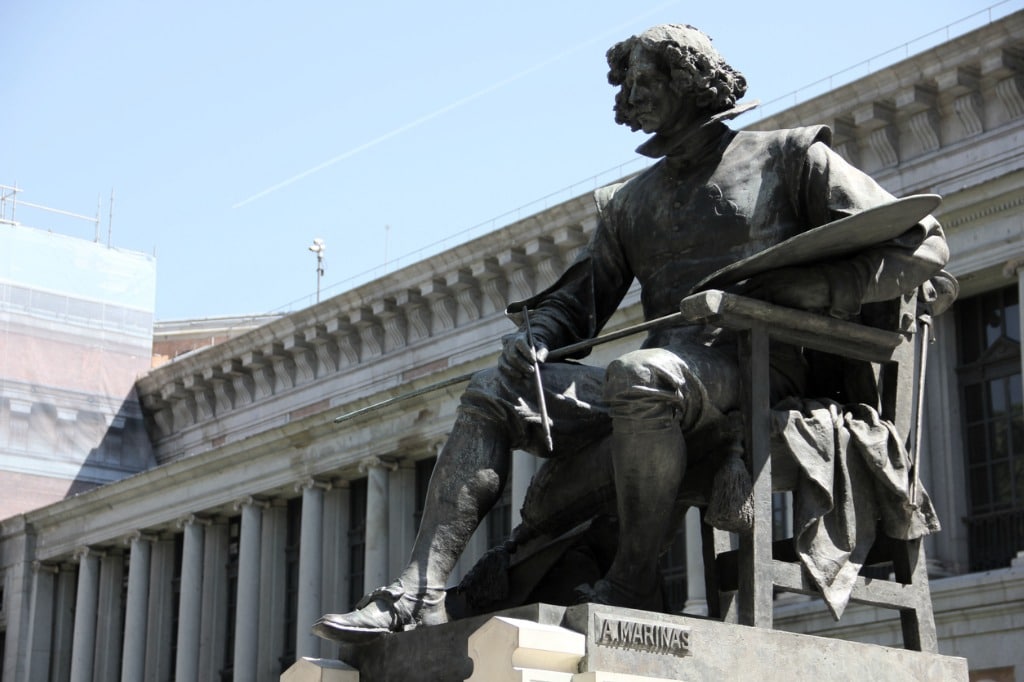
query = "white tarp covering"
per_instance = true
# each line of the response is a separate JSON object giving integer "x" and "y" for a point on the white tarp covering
{"x": 76, "y": 323}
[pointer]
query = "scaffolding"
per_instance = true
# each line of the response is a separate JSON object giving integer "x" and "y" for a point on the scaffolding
{"x": 9, "y": 204}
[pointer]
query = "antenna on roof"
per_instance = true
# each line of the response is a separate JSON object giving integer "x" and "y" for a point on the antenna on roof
{"x": 110, "y": 218}
{"x": 318, "y": 248}
{"x": 8, "y": 193}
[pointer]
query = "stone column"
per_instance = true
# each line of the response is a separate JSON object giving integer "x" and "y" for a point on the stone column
{"x": 40, "y": 625}
{"x": 943, "y": 469}
{"x": 133, "y": 657}
{"x": 247, "y": 613}
{"x": 63, "y": 623}
{"x": 310, "y": 599}
{"x": 273, "y": 584}
{"x": 1018, "y": 271}
{"x": 376, "y": 565}
{"x": 524, "y": 466}
{"x": 84, "y": 639}
{"x": 787, "y": 513}
{"x": 213, "y": 629}
{"x": 190, "y": 597}
{"x": 336, "y": 558}
{"x": 107, "y": 665}
{"x": 696, "y": 590}
{"x": 160, "y": 610}
{"x": 401, "y": 516}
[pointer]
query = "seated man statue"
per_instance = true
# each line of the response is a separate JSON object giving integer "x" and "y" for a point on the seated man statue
{"x": 714, "y": 196}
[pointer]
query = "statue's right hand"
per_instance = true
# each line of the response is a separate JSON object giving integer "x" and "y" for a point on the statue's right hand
{"x": 517, "y": 357}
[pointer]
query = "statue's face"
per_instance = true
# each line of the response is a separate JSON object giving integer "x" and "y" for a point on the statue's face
{"x": 653, "y": 106}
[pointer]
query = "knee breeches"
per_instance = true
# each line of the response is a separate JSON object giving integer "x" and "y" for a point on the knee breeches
{"x": 647, "y": 389}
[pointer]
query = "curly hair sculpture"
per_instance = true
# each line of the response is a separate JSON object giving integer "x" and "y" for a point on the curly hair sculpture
{"x": 694, "y": 67}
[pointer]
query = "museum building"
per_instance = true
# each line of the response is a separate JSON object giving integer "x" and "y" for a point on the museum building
{"x": 260, "y": 513}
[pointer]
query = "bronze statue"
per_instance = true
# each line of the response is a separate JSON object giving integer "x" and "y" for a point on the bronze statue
{"x": 714, "y": 197}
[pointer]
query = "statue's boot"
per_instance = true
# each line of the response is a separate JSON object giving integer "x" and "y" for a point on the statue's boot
{"x": 649, "y": 467}
{"x": 393, "y": 608}
{"x": 467, "y": 480}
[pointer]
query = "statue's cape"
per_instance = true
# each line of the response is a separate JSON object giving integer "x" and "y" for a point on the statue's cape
{"x": 871, "y": 227}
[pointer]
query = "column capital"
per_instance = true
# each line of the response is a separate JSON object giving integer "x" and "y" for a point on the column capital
{"x": 86, "y": 551}
{"x": 1012, "y": 268}
{"x": 250, "y": 501}
{"x": 375, "y": 462}
{"x": 140, "y": 535}
{"x": 41, "y": 567}
{"x": 309, "y": 483}
{"x": 191, "y": 519}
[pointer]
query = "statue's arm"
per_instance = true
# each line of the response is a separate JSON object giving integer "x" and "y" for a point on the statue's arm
{"x": 831, "y": 188}
{"x": 578, "y": 305}
{"x": 824, "y": 187}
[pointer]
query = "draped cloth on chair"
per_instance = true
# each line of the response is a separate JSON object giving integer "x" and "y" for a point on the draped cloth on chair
{"x": 854, "y": 471}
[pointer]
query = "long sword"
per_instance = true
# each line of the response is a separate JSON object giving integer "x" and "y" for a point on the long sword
{"x": 556, "y": 354}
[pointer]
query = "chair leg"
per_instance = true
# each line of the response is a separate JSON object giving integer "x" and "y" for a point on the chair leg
{"x": 755, "y": 556}
{"x": 709, "y": 551}
{"x": 918, "y": 623}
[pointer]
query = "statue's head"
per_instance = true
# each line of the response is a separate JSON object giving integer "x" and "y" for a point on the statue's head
{"x": 671, "y": 76}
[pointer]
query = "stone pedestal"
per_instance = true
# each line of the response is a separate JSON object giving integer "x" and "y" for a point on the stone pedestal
{"x": 320, "y": 670}
{"x": 663, "y": 647}
{"x": 593, "y": 643}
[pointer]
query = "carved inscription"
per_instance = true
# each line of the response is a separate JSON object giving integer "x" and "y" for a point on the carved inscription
{"x": 659, "y": 638}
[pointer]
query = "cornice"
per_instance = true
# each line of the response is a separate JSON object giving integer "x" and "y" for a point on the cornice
{"x": 983, "y": 211}
{"x": 959, "y": 90}
{"x": 456, "y": 292}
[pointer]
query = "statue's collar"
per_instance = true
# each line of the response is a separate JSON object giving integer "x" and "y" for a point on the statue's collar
{"x": 695, "y": 141}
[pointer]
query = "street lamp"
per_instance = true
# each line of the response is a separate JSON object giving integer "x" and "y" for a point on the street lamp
{"x": 318, "y": 248}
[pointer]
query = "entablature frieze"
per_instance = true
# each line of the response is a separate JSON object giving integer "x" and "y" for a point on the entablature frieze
{"x": 957, "y": 91}
{"x": 151, "y": 506}
{"x": 453, "y": 293}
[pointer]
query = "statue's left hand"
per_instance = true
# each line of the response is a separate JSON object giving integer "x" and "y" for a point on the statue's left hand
{"x": 805, "y": 288}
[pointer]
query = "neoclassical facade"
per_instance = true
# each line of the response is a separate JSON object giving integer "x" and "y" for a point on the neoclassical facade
{"x": 262, "y": 513}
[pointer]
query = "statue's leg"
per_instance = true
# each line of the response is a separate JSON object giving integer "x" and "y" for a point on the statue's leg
{"x": 655, "y": 397}
{"x": 496, "y": 415}
{"x": 468, "y": 479}
{"x": 649, "y": 466}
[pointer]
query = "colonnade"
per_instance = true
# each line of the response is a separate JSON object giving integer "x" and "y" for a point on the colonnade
{"x": 207, "y": 593}
{"x": 157, "y": 602}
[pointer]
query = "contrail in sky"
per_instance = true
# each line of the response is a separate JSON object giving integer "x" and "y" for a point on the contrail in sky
{"x": 445, "y": 109}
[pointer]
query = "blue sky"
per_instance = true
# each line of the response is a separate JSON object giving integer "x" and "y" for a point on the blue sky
{"x": 233, "y": 133}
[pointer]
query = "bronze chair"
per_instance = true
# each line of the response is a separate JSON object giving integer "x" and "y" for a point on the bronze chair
{"x": 565, "y": 536}
{"x": 741, "y": 583}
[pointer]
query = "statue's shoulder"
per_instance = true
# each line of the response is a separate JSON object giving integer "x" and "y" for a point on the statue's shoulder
{"x": 788, "y": 139}
{"x": 617, "y": 195}
{"x": 603, "y": 196}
